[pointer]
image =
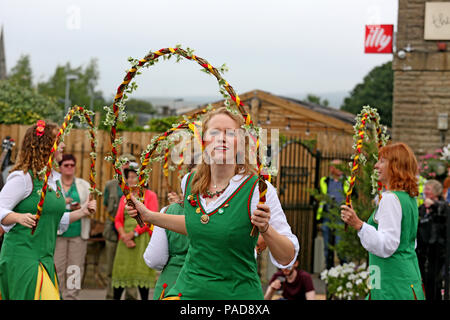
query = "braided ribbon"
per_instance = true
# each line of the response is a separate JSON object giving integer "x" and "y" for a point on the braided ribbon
{"x": 367, "y": 116}
{"x": 76, "y": 110}
{"x": 152, "y": 56}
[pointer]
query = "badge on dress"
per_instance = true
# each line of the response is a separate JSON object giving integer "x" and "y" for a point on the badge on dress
{"x": 204, "y": 219}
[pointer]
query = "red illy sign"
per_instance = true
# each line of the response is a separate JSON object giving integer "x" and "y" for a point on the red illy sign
{"x": 379, "y": 38}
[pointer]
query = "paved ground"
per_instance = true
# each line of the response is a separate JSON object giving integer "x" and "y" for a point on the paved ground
{"x": 100, "y": 294}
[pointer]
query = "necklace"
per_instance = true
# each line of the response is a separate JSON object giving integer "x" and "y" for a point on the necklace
{"x": 210, "y": 194}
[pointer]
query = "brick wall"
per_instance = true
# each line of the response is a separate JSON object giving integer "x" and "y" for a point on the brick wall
{"x": 421, "y": 82}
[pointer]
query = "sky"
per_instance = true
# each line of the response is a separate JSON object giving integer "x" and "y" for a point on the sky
{"x": 286, "y": 47}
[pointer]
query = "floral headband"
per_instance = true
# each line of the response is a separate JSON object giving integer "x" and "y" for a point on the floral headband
{"x": 40, "y": 127}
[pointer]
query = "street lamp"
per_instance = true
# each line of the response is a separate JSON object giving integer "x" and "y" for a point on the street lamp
{"x": 66, "y": 100}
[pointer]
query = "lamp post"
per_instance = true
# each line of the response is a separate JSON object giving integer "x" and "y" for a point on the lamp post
{"x": 67, "y": 100}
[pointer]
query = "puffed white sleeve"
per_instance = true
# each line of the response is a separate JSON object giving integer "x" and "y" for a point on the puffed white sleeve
{"x": 183, "y": 182}
{"x": 277, "y": 221}
{"x": 18, "y": 186}
{"x": 64, "y": 223}
{"x": 384, "y": 241}
{"x": 156, "y": 254}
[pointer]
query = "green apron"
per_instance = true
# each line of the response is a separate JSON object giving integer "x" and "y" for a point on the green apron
{"x": 220, "y": 263}
{"x": 178, "y": 247}
{"x": 22, "y": 252}
{"x": 129, "y": 269}
{"x": 398, "y": 276}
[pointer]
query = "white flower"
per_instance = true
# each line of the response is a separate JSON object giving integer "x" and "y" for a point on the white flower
{"x": 358, "y": 282}
{"x": 362, "y": 267}
{"x": 339, "y": 289}
{"x": 324, "y": 274}
{"x": 364, "y": 274}
{"x": 349, "y": 285}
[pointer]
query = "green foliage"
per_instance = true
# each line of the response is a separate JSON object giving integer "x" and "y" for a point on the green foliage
{"x": 162, "y": 124}
{"x": 138, "y": 105}
{"x": 317, "y": 100}
{"x": 21, "y": 74}
{"x": 82, "y": 90}
{"x": 349, "y": 246}
{"x": 24, "y": 105}
{"x": 375, "y": 90}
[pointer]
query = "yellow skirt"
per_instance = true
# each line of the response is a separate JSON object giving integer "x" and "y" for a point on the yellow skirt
{"x": 45, "y": 289}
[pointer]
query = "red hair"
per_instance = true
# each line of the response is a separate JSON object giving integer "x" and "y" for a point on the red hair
{"x": 402, "y": 167}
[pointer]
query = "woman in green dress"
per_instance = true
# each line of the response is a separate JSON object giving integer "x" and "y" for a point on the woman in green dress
{"x": 220, "y": 208}
{"x": 27, "y": 269}
{"x": 166, "y": 252}
{"x": 390, "y": 233}
{"x": 129, "y": 269}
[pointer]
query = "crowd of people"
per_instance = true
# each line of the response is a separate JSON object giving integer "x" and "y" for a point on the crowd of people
{"x": 199, "y": 246}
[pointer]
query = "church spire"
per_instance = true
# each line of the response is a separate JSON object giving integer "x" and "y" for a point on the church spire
{"x": 2, "y": 56}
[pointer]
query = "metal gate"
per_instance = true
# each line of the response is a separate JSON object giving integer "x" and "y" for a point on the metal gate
{"x": 299, "y": 169}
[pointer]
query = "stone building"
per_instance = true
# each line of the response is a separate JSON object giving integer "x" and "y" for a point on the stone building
{"x": 421, "y": 78}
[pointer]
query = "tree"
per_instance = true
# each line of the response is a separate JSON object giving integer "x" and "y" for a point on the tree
{"x": 139, "y": 106}
{"x": 24, "y": 105}
{"x": 21, "y": 74}
{"x": 317, "y": 100}
{"x": 349, "y": 247}
{"x": 162, "y": 124}
{"x": 82, "y": 90}
{"x": 376, "y": 90}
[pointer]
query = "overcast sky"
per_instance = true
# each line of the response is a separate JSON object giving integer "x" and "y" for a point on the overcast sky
{"x": 286, "y": 47}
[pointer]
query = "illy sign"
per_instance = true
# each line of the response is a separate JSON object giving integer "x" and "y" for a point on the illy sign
{"x": 379, "y": 38}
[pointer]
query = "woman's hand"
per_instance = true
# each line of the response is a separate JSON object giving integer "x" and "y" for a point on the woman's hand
{"x": 26, "y": 219}
{"x": 128, "y": 236}
{"x": 69, "y": 200}
{"x": 139, "y": 207}
{"x": 261, "y": 217}
{"x": 130, "y": 244}
{"x": 428, "y": 202}
{"x": 90, "y": 207}
{"x": 348, "y": 215}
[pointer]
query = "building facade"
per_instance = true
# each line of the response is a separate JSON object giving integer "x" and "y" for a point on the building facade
{"x": 421, "y": 77}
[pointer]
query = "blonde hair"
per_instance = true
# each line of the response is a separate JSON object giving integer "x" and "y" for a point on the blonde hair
{"x": 35, "y": 150}
{"x": 202, "y": 177}
{"x": 436, "y": 187}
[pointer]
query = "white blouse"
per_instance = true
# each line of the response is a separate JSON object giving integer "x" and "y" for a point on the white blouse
{"x": 156, "y": 254}
{"x": 384, "y": 241}
{"x": 19, "y": 186}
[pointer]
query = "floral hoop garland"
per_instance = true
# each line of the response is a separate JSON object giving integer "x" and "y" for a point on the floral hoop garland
{"x": 85, "y": 118}
{"x": 161, "y": 143}
{"x": 367, "y": 117}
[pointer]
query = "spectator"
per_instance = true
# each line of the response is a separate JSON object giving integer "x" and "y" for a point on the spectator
{"x": 295, "y": 284}
{"x": 334, "y": 186}
{"x": 71, "y": 245}
{"x": 129, "y": 269}
{"x": 111, "y": 197}
{"x": 431, "y": 239}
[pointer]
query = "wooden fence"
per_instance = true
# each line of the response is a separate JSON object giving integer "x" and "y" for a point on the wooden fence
{"x": 78, "y": 144}
{"x": 299, "y": 171}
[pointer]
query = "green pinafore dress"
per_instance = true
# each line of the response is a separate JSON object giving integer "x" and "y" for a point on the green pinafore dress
{"x": 398, "y": 277}
{"x": 178, "y": 247}
{"x": 22, "y": 253}
{"x": 220, "y": 263}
